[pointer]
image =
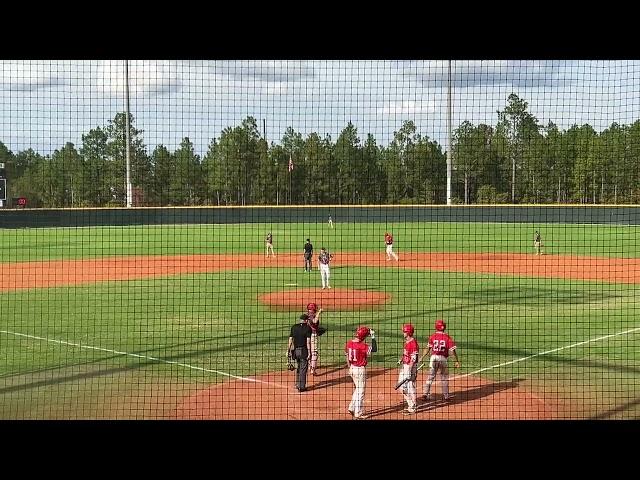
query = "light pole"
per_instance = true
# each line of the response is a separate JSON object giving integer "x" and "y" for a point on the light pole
{"x": 450, "y": 152}
{"x": 127, "y": 133}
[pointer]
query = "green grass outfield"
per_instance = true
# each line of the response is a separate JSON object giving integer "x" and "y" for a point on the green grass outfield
{"x": 90, "y": 242}
{"x": 213, "y": 321}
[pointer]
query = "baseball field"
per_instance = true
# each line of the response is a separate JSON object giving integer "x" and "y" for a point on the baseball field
{"x": 171, "y": 321}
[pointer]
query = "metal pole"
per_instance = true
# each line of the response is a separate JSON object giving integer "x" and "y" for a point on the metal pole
{"x": 450, "y": 148}
{"x": 127, "y": 134}
{"x": 513, "y": 162}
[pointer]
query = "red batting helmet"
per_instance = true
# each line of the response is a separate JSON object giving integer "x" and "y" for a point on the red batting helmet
{"x": 312, "y": 306}
{"x": 440, "y": 325}
{"x": 407, "y": 328}
{"x": 362, "y": 332}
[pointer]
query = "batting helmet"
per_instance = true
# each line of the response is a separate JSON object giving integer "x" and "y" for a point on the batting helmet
{"x": 304, "y": 317}
{"x": 407, "y": 328}
{"x": 312, "y": 306}
{"x": 362, "y": 332}
{"x": 440, "y": 325}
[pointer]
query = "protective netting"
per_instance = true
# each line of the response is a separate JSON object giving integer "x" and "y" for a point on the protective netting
{"x": 166, "y": 223}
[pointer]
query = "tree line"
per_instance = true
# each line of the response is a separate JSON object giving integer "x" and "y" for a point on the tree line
{"x": 517, "y": 161}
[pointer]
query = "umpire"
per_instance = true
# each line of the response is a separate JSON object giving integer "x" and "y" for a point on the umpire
{"x": 308, "y": 253}
{"x": 300, "y": 348}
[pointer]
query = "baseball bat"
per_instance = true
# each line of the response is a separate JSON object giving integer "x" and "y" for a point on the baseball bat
{"x": 410, "y": 377}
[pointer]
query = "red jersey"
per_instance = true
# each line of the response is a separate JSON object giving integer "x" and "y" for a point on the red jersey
{"x": 357, "y": 353}
{"x": 441, "y": 344}
{"x": 410, "y": 352}
{"x": 388, "y": 239}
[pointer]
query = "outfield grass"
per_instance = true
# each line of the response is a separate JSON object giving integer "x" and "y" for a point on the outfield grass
{"x": 559, "y": 239}
{"x": 214, "y": 321}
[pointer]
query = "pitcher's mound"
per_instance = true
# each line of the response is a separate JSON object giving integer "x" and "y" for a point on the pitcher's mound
{"x": 333, "y": 299}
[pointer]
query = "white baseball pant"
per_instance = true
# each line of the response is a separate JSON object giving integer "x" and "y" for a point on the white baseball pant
{"x": 314, "y": 351}
{"x": 324, "y": 274}
{"x": 359, "y": 377}
{"x": 409, "y": 388}
{"x": 438, "y": 363}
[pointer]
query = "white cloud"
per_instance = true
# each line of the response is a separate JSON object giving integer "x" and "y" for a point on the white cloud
{"x": 31, "y": 75}
{"x": 409, "y": 107}
{"x": 471, "y": 73}
{"x": 147, "y": 78}
{"x": 267, "y": 70}
{"x": 275, "y": 88}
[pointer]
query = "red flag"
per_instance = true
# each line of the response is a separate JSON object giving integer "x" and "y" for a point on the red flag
{"x": 290, "y": 163}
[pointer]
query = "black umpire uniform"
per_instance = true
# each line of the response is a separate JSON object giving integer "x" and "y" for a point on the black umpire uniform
{"x": 300, "y": 345}
{"x": 308, "y": 253}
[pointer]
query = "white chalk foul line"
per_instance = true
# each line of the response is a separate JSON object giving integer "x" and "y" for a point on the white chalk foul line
{"x": 160, "y": 360}
{"x": 632, "y": 330}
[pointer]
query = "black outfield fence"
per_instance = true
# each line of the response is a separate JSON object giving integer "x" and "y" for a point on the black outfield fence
{"x": 624, "y": 215}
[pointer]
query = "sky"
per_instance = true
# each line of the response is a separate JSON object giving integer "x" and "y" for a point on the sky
{"x": 45, "y": 103}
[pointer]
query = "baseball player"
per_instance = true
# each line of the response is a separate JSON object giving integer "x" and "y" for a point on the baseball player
{"x": 269, "y": 244}
{"x": 299, "y": 348}
{"x": 330, "y": 221}
{"x": 409, "y": 368}
{"x": 537, "y": 243}
{"x": 308, "y": 253}
{"x": 388, "y": 240}
{"x": 440, "y": 346}
{"x": 323, "y": 265}
{"x": 316, "y": 330}
{"x": 357, "y": 352}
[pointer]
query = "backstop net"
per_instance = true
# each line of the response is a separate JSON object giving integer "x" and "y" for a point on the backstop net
{"x": 319, "y": 239}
